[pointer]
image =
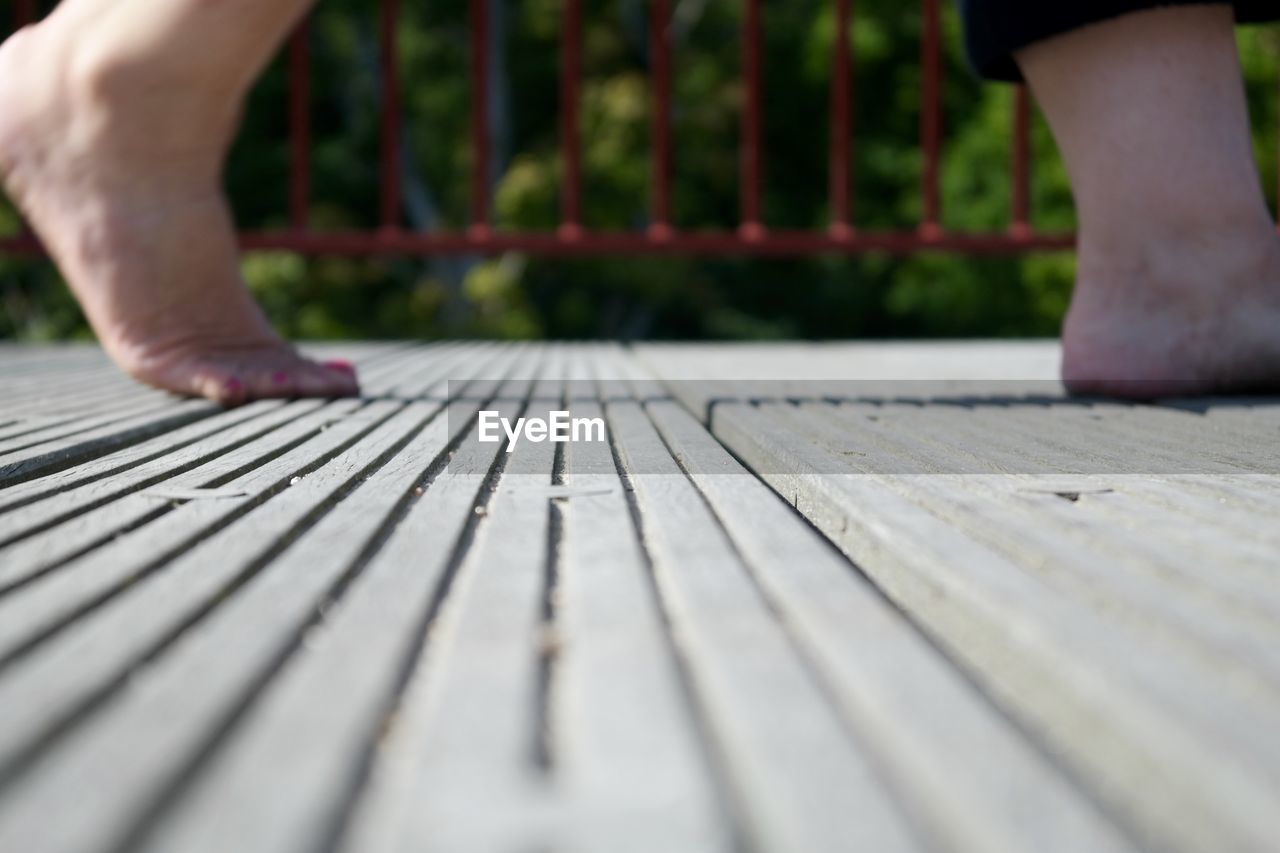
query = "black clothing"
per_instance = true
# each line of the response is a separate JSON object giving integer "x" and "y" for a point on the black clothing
{"x": 994, "y": 29}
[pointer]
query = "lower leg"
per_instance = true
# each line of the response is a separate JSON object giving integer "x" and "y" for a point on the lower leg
{"x": 1178, "y": 282}
{"x": 115, "y": 117}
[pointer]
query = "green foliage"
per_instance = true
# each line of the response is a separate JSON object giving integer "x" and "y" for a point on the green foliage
{"x": 516, "y": 296}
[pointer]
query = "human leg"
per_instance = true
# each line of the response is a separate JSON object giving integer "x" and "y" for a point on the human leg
{"x": 115, "y": 118}
{"x": 1178, "y": 280}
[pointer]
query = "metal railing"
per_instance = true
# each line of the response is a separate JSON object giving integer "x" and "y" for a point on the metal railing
{"x": 573, "y": 236}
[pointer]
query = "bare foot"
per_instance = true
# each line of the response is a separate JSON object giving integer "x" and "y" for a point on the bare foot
{"x": 122, "y": 185}
{"x": 1192, "y": 314}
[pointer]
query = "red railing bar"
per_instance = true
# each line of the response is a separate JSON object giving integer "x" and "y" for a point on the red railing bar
{"x": 24, "y": 12}
{"x": 1021, "y": 161}
{"x": 300, "y": 125}
{"x": 782, "y": 243}
{"x": 21, "y": 245}
{"x": 841, "y": 121}
{"x": 930, "y": 114}
{"x": 389, "y": 156}
{"x": 570, "y": 239}
{"x": 660, "y": 118}
{"x": 752, "y": 152}
{"x": 570, "y": 85}
{"x": 479, "y": 12}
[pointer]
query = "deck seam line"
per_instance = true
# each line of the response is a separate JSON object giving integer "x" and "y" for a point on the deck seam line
{"x": 543, "y": 735}
{"x": 379, "y": 368}
{"x": 180, "y": 468}
{"x": 123, "y": 414}
{"x": 164, "y": 509}
{"x": 14, "y": 765}
{"x": 18, "y": 761}
{"x": 69, "y": 485}
{"x": 1040, "y": 747}
{"x": 159, "y": 562}
{"x": 22, "y": 470}
{"x": 148, "y": 817}
{"x": 335, "y": 835}
{"x": 741, "y": 839}
{"x": 930, "y": 838}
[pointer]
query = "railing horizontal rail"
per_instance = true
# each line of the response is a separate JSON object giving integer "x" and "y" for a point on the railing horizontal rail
{"x": 572, "y": 235}
{"x": 588, "y": 243}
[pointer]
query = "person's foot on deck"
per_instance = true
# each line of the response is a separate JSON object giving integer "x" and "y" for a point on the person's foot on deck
{"x": 123, "y": 189}
{"x": 1190, "y": 314}
{"x": 1178, "y": 280}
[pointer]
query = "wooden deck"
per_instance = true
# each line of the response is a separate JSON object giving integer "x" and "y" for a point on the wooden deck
{"x": 803, "y": 598}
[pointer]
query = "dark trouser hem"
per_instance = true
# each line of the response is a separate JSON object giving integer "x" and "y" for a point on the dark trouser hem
{"x": 995, "y": 29}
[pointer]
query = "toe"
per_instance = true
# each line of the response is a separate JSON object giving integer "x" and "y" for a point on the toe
{"x": 234, "y": 379}
{"x": 289, "y": 376}
{"x": 213, "y": 382}
{"x": 232, "y": 392}
{"x": 339, "y": 364}
{"x": 329, "y": 380}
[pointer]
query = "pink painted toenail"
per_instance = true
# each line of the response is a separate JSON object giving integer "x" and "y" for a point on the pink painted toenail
{"x": 279, "y": 377}
{"x": 232, "y": 387}
{"x": 339, "y": 364}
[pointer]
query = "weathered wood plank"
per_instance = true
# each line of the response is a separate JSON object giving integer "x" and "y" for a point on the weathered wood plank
{"x": 288, "y": 769}
{"x": 802, "y": 782}
{"x": 638, "y": 645}
{"x": 39, "y": 504}
{"x": 1010, "y": 629}
{"x": 65, "y": 592}
{"x": 233, "y": 649}
{"x": 121, "y": 462}
{"x": 56, "y": 404}
{"x": 1141, "y": 520}
{"x": 31, "y": 424}
{"x": 299, "y": 422}
{"x": 632, "y": 772}
{"x": 77, "y": 394}
{"x": 175, "y": 469}
{"x": 63, "y": 452}
{"x": 376, "y": 378}
{"x": 1230, "y": 504}
{"x": 307, "y": 780}
{"x": 961, "y": 770}
{"x": 160, "y": 599}
{"x": 476, "y": 783}
{"x": 1002, "y": 362}
{"x": 458, "y": 773}
{"x": 1127, "y": 577}
{"x": 41, "y": 639}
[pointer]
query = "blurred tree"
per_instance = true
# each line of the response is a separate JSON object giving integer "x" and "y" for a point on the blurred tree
{"x": 513, "y": 296}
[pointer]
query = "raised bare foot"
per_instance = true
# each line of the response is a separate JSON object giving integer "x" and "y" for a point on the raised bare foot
{"x": 1182, "y": 315}
{"x": 121, "y": 182}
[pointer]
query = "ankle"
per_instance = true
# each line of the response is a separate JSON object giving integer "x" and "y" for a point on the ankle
{"x": 89, "y": 113}
{"x": 120, "y": 126}
{"x": 130, "y": 100}
{"x": 1187, "y": 316}
{"x": 1169, "y": 254}
{"x": 1174, "y": 307}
